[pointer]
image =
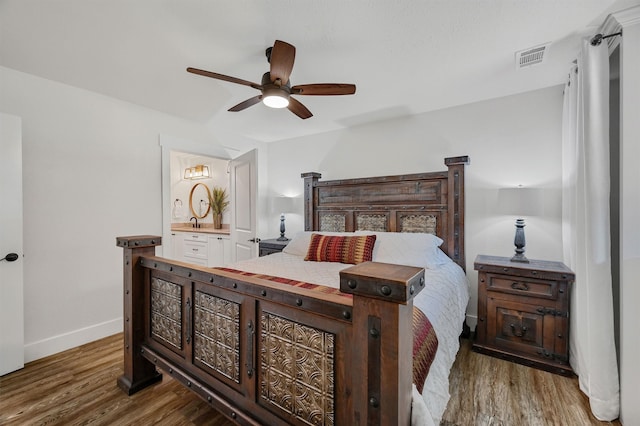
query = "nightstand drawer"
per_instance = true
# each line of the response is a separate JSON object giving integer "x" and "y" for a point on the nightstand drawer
{"x": 527, "y": 287}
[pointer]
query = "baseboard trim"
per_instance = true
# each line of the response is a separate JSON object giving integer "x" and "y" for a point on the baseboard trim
{"x": 472, "y": 322}
{"x": 72, "y": 339}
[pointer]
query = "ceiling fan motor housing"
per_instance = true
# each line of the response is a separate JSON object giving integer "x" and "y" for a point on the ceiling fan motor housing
{"x": 266, "y": 82}
{"x": 275, "y": 89}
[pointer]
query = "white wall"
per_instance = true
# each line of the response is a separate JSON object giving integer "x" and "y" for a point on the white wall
{"x": 91, "y": 167}
{"x": 629, "y": 214}
{"x": 512, "y": 140}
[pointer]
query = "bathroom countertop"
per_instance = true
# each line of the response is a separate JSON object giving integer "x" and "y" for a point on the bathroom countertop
{"x": 205, "y": 228}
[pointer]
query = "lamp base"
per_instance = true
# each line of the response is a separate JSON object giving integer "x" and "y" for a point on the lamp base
{"x": 282, "y": 237}
{"x": 519, "y": 242}
{"x": 520, "y": 258}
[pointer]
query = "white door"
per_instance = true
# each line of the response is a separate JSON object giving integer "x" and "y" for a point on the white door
{"x": 243, "y": 184}
{"x": 11, "y": 292}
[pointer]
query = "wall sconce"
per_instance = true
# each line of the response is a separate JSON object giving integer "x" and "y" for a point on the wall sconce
{"x": 197, "y": 172}
{"x": 520, "y": 202}
{"x": 283, "y": 205}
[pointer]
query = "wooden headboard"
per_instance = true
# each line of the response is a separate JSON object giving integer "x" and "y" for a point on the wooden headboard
{"x": 421, "y": 202}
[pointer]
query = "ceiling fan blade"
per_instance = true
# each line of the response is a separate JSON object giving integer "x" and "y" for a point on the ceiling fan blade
{"x": 282, "y": 57}
{"x": 324, "y": 89}
{"x": 298, "y": 109}
{"x": 224, "y": 77}
{"x": 246, "y": 104}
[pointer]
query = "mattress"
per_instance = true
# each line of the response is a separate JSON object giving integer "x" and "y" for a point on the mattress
{"x": 443, "y": 300}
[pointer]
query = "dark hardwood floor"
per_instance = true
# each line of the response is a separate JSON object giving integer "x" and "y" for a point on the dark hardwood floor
{"x": 78, "y": 387}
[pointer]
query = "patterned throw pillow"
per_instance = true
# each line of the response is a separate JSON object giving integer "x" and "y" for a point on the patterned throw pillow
{"x": 333, "y": 248}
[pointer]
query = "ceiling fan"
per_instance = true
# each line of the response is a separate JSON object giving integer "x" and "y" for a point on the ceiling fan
{"x": 276, "y": 88}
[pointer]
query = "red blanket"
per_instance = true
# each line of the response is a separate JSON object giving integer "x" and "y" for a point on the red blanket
{"x": 425, "y": 341}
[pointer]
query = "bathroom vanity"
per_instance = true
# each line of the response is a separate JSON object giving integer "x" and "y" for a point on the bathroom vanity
{"x": 203, "y": 246}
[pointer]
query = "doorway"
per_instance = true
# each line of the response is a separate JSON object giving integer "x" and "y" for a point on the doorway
{"x": 188, "y": 154}
{"x": 217, "y": 176}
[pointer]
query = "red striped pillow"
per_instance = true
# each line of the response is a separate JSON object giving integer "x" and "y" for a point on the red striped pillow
{"x": 333, "y": 248}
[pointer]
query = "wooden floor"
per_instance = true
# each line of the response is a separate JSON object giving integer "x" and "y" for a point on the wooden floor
{"x": 78, "y": 387}
{"x": 490, "y": 391}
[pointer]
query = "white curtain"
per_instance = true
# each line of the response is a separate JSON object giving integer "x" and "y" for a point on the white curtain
{"x": 586, "y": 229}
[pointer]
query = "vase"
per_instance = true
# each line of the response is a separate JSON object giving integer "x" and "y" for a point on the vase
{"x": 217, "y": 221}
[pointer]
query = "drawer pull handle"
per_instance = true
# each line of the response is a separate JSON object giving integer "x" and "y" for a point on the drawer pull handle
{"x": 520, "y": 286}
{"x": 522, "y": 332}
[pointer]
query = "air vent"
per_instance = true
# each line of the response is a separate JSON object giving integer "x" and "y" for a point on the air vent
{"x": 532, "y": 56}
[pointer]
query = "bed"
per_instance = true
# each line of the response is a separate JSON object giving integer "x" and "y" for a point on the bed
{"x": 268, "y": 342}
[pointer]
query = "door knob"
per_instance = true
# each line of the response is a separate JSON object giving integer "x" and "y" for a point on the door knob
{"x": 10, "y": 257}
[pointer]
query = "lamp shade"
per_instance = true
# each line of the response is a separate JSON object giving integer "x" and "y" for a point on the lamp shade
{"x": 283, "y": 204}
{"x": 520, "y": 201}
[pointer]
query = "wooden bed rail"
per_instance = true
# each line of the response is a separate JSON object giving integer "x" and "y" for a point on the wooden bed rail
{"x": 368, "y": 340}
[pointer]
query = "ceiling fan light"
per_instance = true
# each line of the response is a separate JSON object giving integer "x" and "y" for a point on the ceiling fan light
{"x": 275, "y": 101}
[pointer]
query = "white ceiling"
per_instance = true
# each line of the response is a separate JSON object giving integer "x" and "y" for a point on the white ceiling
{"x": 405, "y": 57}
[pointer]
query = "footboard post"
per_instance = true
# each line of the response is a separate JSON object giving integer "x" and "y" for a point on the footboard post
{"x": 138, "y": 372}
{"x": 382, "y": 340}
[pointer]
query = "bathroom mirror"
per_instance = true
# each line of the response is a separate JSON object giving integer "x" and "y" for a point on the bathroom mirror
{"x": 199, "y": 200}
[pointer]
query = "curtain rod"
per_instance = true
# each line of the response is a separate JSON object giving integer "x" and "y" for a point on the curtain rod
{"x": 597, "y": 39}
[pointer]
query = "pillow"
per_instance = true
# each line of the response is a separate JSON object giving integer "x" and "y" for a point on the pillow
{"x": 335, "y": 248}
{"x": 408, "y": 248}
{"x": 299, "y": 244}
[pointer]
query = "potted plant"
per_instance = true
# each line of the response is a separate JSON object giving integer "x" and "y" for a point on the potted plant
{"x": 219, "y": 203}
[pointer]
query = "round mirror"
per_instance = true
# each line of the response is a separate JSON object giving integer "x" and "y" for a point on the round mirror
{"x": 199, "y": 200}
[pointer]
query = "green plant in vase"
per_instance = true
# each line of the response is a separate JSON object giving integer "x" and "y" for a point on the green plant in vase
{"x": 219, "y": 202}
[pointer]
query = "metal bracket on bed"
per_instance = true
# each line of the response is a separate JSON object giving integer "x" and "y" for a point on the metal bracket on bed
{"x": 249, "y": 362}
{"x": 394, "y": 283}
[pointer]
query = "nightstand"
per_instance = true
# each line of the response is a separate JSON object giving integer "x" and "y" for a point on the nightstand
{"x": 271, "y": 246}
{"x": 523, "y": 312}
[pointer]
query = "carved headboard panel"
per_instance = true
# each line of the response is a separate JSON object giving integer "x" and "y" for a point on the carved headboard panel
{"x": 422, "y": 202}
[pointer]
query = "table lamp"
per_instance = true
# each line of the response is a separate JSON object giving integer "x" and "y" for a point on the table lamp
{"x": 520, "y": 202}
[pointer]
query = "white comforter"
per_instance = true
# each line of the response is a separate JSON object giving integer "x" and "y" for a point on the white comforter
{"x": 444, "y": 301}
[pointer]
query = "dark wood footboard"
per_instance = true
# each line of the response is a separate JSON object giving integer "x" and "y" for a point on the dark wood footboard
{"x": 262, "y": 352}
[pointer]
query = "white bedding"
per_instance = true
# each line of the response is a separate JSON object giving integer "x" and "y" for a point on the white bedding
{"x": 444, "y": 301}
